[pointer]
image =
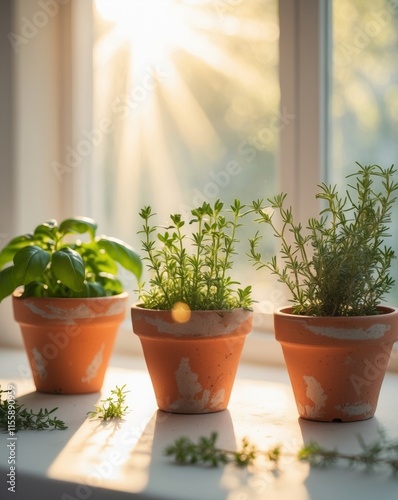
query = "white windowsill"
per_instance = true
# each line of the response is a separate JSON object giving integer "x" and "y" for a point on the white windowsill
{"x": 95, "y": 460}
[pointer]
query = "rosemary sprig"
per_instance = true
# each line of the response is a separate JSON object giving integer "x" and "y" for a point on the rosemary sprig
{"x": 377, "y": 454}
{"x": 15, "y": 417}
{"x": 113, "y": 406}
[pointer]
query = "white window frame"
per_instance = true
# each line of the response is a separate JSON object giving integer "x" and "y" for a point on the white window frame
{"x": 303, "y": 67}
{"x": 303, "y": 79}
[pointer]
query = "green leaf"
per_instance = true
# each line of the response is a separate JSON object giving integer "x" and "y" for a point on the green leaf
{"x": 29, "y": 263}
{"x": 47, "y": 228}
{"x": 110, "y": 284}
{"x": 8, "y": 252}
{"x": 7, "y": 284}
{"x": 122, "y": 253}
{"x": 92, "y": 289}
{"x": 35, "y": 289}
{"x": 79, "y": 225}
{"x": 68, "y": 267}
{"x": 96, "y": 259}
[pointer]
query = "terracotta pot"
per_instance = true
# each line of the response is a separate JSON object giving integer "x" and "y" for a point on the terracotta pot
{"x": 336, "y": 364}
{"x": 69, "y": 341}
{"x": 193, "y": 363}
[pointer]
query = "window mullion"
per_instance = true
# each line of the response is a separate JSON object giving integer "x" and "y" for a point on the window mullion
{"x": 303, "y": 31}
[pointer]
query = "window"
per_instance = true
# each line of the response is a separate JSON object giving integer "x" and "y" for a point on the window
{"x": 364, "y": 97}
{"x": 232, "y": 102}
{"x": 188, "y": 96}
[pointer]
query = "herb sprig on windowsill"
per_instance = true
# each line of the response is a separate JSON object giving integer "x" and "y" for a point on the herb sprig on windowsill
{"x": 378, "y": 454}
{"x": 24, "y": 418}
{"x": 113, "y": 406}
{"x": 205, "y": 452}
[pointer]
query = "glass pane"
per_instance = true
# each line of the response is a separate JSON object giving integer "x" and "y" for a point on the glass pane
{"x": 187, "y": 105}
{"x": 364, "y": 106}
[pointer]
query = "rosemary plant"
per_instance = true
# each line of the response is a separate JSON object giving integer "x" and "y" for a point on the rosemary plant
{"x": 22, "y": 418}
{"x": 338, "y": 265}
{"x": 193, "y": 267}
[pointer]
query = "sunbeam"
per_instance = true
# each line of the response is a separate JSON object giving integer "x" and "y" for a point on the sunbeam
{"x": 187, "y": 85}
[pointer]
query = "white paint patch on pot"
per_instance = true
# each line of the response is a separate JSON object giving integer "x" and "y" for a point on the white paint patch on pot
{"x": 357, "y": 409}
{"x": 209, "y": 325}
{"x": 40, "y": 363}
{"x": 316, "y": 394}
{"x": 218, "y": 399}
{"x": 117, "y": 307}
{"x": 69, "y": 315}
{"x": 374, "y": 332}
{"x": 189, "y": 390}
{"x": 94, "y": 366}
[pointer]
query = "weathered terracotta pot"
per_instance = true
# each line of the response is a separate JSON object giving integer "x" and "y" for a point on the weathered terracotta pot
{"x": 192, "y": 364}
{"x": 69, "y": 341}
{"x": 336, "y": 364}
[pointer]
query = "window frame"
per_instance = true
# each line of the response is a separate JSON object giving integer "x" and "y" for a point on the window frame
{"x": 304, "y": 70}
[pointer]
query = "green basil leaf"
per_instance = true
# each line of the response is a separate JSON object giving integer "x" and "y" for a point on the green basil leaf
{"x": 35, "y": 289}
{"x": 48, "y": 229}
{"x": 110, "y": 283}
{"x": 68, "y": 267}
{"x": 122, "y": 253}
{"x": 94, "y": 289}
{"x": 7, "y": 253}
{"x": 7, "y": 283}
{"x": 79, "y": 225}
{"x": 97, "y": 260}
{"x": 29, "y": 263}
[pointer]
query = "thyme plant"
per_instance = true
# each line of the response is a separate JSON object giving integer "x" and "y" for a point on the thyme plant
{"x": 338, "y": 265}
{"x": 193, "y": 267}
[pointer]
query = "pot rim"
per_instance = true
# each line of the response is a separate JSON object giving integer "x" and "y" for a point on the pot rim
{"x": 17, "y": 296}
{"x": 139, "y": 307}
{"x": 336, "y": 330}
{"x": 201, "y": 324}
{"x": 285, "y": 311}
